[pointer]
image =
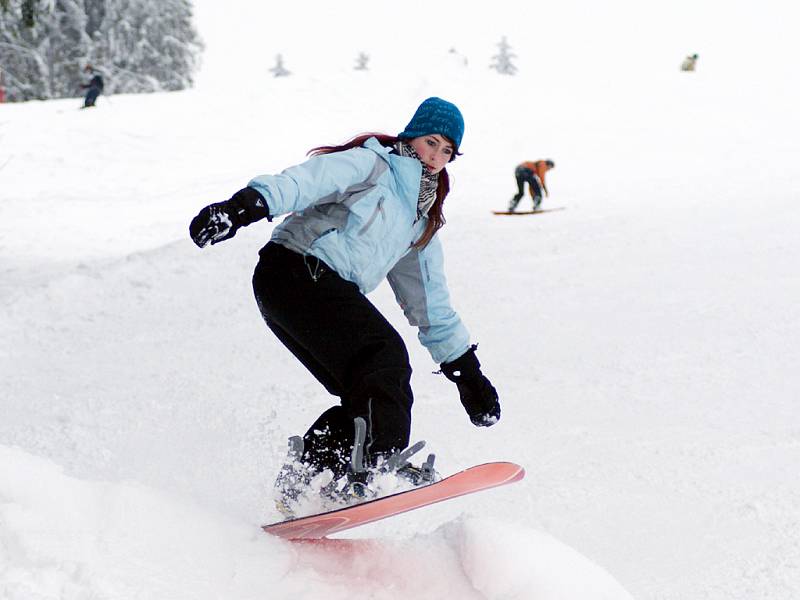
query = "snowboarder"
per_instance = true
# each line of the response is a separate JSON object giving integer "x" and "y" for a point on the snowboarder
{"x": 94, "y": 88}
{"x": 358, "y": 213}
{"x": 532, "y": 173}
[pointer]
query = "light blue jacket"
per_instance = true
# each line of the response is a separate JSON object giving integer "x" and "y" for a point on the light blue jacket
{"x": 357, "y": 211}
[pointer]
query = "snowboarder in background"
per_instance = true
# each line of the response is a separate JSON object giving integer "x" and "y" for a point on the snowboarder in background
{"x": 689, "y": 63}
{"x": 93, "y": 88}
{"x": 532, "y": 173}
{"x": 358, "y": 213}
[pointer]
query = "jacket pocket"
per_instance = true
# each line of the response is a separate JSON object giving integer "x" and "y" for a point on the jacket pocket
{"x": 378, "y": 211}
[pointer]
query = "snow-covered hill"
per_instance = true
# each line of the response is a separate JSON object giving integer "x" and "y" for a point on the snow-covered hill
{"x": 644, "y": 340}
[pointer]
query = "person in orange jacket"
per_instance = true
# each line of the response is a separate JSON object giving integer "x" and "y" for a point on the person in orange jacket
{"x": 531, "y": 173}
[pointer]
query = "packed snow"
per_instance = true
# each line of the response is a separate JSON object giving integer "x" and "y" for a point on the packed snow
{"x": 644, "y": 340}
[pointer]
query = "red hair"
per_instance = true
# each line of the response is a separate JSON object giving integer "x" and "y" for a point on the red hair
{"x": 435, "y": 215}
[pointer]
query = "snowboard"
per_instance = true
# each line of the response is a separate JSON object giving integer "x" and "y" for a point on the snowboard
{"x": 527, "y": 212}
{"x": 469, "y": 481}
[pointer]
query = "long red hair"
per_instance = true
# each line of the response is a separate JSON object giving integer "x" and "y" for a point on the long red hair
{"x": 435, "y": 214}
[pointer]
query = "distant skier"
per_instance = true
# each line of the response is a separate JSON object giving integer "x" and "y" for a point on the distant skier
{"x": 689, "y": 63}
{"x": 359, "y": 213}
{"x": 93, "y": 88}
{"x": 532, "y": 173}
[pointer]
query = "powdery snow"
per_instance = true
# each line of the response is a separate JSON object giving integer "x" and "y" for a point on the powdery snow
{"x": 124, "y": 540}
{"x": 644, "y": 340}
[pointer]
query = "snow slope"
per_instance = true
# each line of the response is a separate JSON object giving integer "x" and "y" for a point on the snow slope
{"x": 644, "y": 340}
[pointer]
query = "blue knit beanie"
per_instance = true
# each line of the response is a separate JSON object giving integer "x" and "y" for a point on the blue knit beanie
{"x": 435, "y": 115}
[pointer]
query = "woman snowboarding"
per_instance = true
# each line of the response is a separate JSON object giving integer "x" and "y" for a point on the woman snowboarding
{"x": 358, "y": 213}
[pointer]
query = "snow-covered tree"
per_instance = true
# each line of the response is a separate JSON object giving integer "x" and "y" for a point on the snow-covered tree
{"x": 361, "y": 62}
{"x": 279, "y": 70}
{"x": 502, "y": 60}
{"x": 42, "y": 47}
{"x": 144, "y": 45}
{"x": 139, "y": 45}
{"x": 29, "y": 12}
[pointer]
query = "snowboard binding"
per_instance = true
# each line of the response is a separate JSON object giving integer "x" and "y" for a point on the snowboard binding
{"x": 297, "y": 481}
{"x": 360, "y": 474}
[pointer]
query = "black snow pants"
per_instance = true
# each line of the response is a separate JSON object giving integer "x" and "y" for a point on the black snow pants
{"x": 523, "y": 176}
{"x": 352, "y": 350}
{"x": 91, "y": 96}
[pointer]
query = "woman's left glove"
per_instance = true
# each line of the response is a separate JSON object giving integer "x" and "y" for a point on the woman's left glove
{"x": 477, "y": 394}
{"x": 219, "y": 222}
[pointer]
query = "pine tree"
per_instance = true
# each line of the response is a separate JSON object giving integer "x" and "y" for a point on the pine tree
{"x": 361, "y": 62}
{"x": 138, "y": 45}
{"x": 43, "y": 59}
{"x": 144, "y": 45}
{"x": 502, "y": 60}
{"x": 279, "y": 70}
{"x": 29, "y": 12}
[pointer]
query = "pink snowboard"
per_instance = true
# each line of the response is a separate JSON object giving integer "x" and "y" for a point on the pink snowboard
{"x": 474, "y": 479}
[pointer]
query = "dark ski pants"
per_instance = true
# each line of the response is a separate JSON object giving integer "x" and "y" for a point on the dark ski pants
{"x": 523, "y": 176}
{"x": 342, "y": 339}
{"x": 91, "y": 96}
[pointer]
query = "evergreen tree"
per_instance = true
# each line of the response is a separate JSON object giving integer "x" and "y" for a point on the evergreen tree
{"x": 502, "y": 60}
{"x": 43, "y": 59}
{"x": 139, "y": 45}
{"x": 29, "y": 12}
{"x": 361, "y": 62}
{"x": 279, "y": 70}
{"x": 144, "y": 45}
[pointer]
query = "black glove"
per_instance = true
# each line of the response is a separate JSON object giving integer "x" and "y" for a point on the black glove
{"x": 219, "y": 222}
{"x": 477, "y": 394}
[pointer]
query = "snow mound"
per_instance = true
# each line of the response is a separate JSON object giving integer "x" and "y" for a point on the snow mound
{"x": 64, "y": 537}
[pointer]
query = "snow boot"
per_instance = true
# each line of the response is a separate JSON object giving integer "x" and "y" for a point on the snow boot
{"x": 293, "y": 479}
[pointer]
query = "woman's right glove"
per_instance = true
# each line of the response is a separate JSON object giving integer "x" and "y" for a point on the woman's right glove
{"x": 477, "y": 394}
{"x": 219, "y": 222}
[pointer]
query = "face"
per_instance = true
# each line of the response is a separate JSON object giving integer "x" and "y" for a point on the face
{"x": 434, "y": 150}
